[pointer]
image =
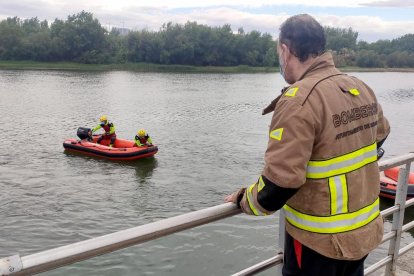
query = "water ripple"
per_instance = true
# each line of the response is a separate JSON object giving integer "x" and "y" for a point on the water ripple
{"x": 400, "y": 95}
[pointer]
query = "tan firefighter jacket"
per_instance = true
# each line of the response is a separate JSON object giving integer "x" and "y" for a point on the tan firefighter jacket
{"x": 322, "y": 140}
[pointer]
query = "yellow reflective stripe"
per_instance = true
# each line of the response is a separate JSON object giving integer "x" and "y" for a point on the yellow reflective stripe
{"x": 345, "y": 157}
{"x": 276, "y": 134}
{"x": 333, "y": 224}
{"x": 339, "y": 194}
{"x": 249, "y": 194}
{"x": 292, "y": 92}
{"x": 354, "y": 91}
{"x": 261, "y": 184}
{"x": 342, "y": 164}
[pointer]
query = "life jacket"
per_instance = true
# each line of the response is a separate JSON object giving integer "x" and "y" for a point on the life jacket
{"x": 107, "y": 128}
{"x": 142, "y": 140}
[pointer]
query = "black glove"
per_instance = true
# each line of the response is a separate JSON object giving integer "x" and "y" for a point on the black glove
{"x": 380, "y": 153}
{"x": 240, "y": 195}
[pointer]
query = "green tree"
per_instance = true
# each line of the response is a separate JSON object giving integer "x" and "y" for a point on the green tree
{"x": 37, "y": 40}
{"x": 400, "y": 59}
{"x": 369, "y": 58}
{"x": 404, "y": 43}
{"x": 382, "y": 46}
{"x": 81, "y": 38}
{"x": 338, "y": 39}
{"x": 11, "y": 39}
{"x": 270, "y": 58}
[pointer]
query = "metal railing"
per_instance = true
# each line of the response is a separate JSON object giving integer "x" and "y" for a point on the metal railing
{"x": 68, "y": 254}
{"x": 397, "y": 211}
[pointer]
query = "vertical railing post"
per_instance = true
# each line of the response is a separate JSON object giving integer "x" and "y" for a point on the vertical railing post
{"x": 398, "y": 219}
{"x": 281, "y": 238}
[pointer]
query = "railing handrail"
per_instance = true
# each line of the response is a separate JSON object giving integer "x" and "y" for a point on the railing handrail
{"x": 67, "y": 254}
{"x": 56, "y": 257}
{"x": 396, "y": 161}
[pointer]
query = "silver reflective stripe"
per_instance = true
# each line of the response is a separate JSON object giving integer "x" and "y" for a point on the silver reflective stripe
{"x": 342, "y": 164}
{"x": 339, "y": 194}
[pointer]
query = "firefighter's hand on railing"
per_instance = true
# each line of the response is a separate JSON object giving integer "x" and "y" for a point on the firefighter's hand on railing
{"x": 236, "y": 197}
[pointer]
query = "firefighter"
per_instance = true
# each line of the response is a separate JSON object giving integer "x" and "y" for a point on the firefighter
{"x": 321, "y": 159}
{"x": 142, "y": 138}
{"x": 109, "y": 129}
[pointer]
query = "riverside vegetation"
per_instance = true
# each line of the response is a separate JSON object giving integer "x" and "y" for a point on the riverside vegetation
{"x": 80, "y": 42}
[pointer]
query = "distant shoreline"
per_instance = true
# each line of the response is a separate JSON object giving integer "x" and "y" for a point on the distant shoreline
{"x": 149, "y": 67}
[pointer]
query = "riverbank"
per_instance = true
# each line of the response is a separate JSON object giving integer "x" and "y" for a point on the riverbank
{"x": 138, "y": 67}
{"x": 149, "y": 67}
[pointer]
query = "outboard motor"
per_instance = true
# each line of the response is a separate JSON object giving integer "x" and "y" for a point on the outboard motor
{"x": 84, "y": 133}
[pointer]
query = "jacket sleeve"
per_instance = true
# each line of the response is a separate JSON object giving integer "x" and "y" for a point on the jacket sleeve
{"x": 291, "y": 138}
{"x": 264, "y": 197}
{"x": 96, "y": 128}
{"x": 290, "y": 145}
{"x": 383, "y": 128}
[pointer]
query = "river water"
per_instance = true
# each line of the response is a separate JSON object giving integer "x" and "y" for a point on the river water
{"x": 211, "y": 138}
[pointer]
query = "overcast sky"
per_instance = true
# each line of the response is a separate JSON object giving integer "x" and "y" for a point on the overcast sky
{"x": 372, "y": 19}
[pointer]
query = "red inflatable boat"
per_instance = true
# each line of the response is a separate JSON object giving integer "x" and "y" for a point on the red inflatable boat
{"x": 121, "y": 150}
{"x": 389, "y": 180}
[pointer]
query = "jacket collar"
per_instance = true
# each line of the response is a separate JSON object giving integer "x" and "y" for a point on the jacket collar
{"x": 324, "y": 61}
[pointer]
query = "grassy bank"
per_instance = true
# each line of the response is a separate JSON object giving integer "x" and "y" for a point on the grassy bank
{"x": 139, "y": 67}
{"x": 148, "y": 67}
{"x": 361, "y": 69}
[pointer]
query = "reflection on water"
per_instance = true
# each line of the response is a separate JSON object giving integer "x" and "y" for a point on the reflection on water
{"x": 144, "y": 168}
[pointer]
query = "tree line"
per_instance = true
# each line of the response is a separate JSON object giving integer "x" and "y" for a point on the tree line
{"x": 81, "y": 38}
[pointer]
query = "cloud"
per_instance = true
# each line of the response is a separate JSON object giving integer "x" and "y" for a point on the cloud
{"x": 369, "y": 28}
{"x": 34, "y": 8}
{"x": 268, "y": 20}
{"x": 236, "y": 18}
{"x": 116, "y": 5}
{"x": 391, "y": 3}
